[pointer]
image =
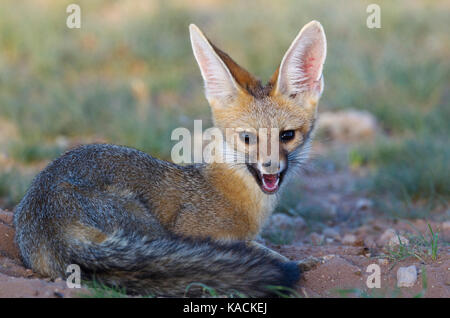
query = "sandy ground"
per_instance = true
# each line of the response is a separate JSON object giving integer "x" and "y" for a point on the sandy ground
{"x": 355, "y": 235}
{"x": 15, "y": 279}
{"x": 341, "y": 266}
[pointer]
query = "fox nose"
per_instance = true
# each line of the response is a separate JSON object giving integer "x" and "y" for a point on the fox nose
{"x": 267, "y": 163}
{"x": 270, "y": 167}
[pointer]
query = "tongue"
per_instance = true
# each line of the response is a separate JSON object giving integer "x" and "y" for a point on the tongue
{"x": 270, "y": 182}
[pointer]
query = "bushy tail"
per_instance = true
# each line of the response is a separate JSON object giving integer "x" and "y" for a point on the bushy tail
{"x": 167, "y": 266}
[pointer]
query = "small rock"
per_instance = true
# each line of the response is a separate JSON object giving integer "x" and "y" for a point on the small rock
{"x": 299, "y": 222}
{"x": 330, "y": 232}
{"x": 308, "y": 263}
{"x": 383, "y": 261}
{"x": 386, "y": 237}
{"x": 363, "y": 204}
{"x": 446, "y": 226}
{"x": 6, "y": 217}
{"x": 369, "y": 242}
{"x": 347, "y": 125}
{"x": 283, "y": 221}
{"x": 326, "y": 258}
{"x": 406, "y": 276}
{"x": 349, "y": 239}
{"x": 397, "y": 240}
{"x": 316, "y": 239}
{"x": 280, "y": 220}
{"x": 62, "y": 142}
{"x": 58, "y": 294}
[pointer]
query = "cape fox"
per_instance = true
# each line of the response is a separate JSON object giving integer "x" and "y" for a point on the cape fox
{"x": 154, "y": 227}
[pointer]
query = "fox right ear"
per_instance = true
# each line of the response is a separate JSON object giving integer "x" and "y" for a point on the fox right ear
{"x": 220, "y": 86}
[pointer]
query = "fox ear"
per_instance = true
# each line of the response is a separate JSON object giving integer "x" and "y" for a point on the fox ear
{"x": 220, "y": 86}
{"x": 300, "y": 71}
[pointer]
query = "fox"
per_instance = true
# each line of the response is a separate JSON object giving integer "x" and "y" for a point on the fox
{"x": 153, "y": 227}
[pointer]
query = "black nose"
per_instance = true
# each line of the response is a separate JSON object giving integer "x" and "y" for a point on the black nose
{"x": 267, "y": 164}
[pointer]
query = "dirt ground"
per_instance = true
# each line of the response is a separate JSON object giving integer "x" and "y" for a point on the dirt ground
{"x": 354, "y": 235}
{"x": 342, "y": 272}
{"x": 15, "y": 279}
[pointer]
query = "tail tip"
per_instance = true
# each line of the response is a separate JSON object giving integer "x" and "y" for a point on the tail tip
{"x": 291, "y": 273}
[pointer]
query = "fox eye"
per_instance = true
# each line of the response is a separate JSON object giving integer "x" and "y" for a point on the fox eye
{"x": 247, "y": 137}
{"x": 287, "y": 135}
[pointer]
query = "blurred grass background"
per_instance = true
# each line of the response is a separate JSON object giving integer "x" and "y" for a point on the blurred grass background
{"x": 128, "y": 77}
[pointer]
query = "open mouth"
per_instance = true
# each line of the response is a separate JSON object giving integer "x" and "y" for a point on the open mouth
{"x": 269, "y": 183}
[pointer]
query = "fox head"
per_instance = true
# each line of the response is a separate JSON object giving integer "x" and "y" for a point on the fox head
{"x": 270, "y": 123}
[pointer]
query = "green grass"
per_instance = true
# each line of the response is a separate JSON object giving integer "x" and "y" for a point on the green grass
{"x": 98, "y": 290}
{"x": 29, "y": 152}
{"x": 281, "y": 237}
{"x": 384, "y": 293}
{"x": 13, "y": 184}
{"x": 433, "y": 243}
{"x": 409, "y": 168}
{"x": 422, "y": 247}
{"x": 128, "y": 77}
{"x": 404, "y": 251}
{"x": 280, "y": 291}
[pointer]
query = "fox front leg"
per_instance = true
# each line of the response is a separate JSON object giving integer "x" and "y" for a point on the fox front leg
{"x": 304, "y": 264}
{"x": 268, "y": 251}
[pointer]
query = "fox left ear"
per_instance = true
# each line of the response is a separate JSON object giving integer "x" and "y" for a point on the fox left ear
{"x": 300, "y": 71}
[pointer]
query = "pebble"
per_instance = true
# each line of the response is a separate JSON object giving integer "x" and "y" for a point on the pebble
{"x": 316, "y": 239}
{"x": 446, "y": 225}
{"x": 369, "y": 242}
{"x": 326, "y": 258}
{"x": 299, "y": 222}
{"x": 349, "y": 239}
{"x": 386, "y": 236}
{"x": 330, "y": 232}
{"x": 406, "y": 276}
{"x": 6, "y": 217}
{"x": 395, "y": 241}
{"x": 363, "y": 204}
{"x": 383, "y": 261}
{"x": 283, "y": 221}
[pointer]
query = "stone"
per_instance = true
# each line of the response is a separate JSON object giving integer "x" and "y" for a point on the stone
{"x": 284, "y": 221}
{"x": 349, "y": 239}
{"x": 406, "y": 276}
{"x": 347, "y": 125}
{"x": 396, "y": 240}
{"x": 6, "y": 217}
{"x": 363, "y": 204}
{"x": 386, "y": 237}
{"x": 316, "y": 239}
{"x": 446, "y": 226}
{"x": 330, "y": 232}
{"x": 383, "y": 261}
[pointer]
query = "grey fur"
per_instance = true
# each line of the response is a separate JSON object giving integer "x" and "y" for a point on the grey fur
{"x": 116, "y": 190}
